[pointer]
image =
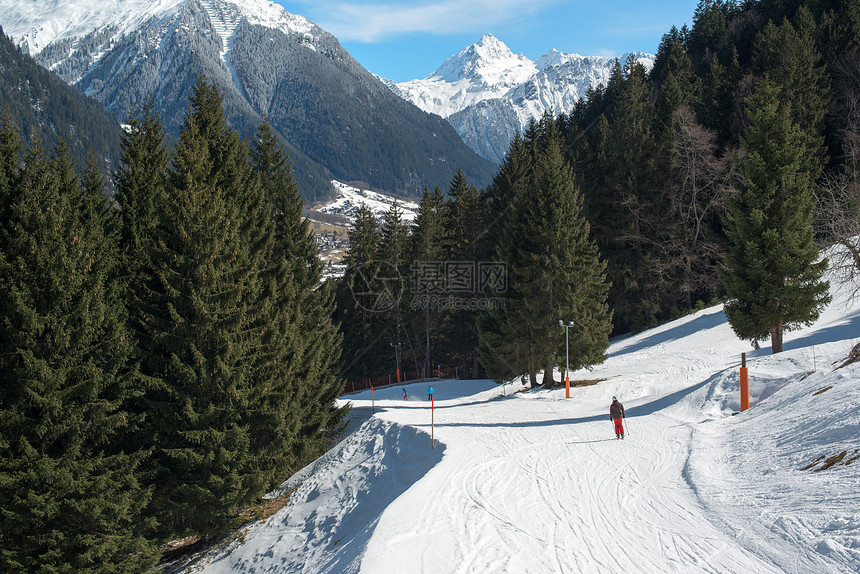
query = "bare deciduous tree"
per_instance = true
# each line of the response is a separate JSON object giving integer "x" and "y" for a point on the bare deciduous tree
{"x": 839, "y": 194}
{"x": 696, "y": 201}
{"x": 839, "y": 224}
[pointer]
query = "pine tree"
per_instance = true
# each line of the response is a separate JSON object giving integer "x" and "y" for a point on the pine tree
{"x": 499, "y": 197}
{"x": 803, "y": 80}
{"x": 773, "y": 279}
{"x": 297, "y": 385}
{"x": 635, "y": 205}
{"x": 555, "y": 273}
{"x": 71, "y": 499}
{"x": 140, "y": 192}
{"x": 360, "y": 300}
{"x": 465, "y": 226}
{"x": 10, "y": 149}
{"x": 392, "y": 257}
{"x": 426, "y": 280}
{"x": 201, "y": 340}
{"x": 674, "y": 76}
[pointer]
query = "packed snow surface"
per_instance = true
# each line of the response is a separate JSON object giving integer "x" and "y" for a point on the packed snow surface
{"x": 534, "y": 482}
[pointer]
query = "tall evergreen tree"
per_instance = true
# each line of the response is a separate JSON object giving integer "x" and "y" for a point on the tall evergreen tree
{"x": 201, "y": 340}
{"x": 499, "y": 197}
{"x": 140, "y": 182}
{"x": 674, "y": 77}
{"x": 360, "y": 300}
{"x": 803, "y": 80}
{"x": 555, "y": 273}
{"x": 71, "y": 500}
{"x": 298, "y": 383}
{"x": 10, "y": 150}
{"x": 426, "y": 274}
{"x": 465, "y": 226}
{"x": 636, "y": 205}
{"x": 393, "y": 262}
{"x": 773, "y": 279}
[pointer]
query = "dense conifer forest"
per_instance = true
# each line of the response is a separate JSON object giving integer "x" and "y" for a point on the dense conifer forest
{"x": 679, "y": 176}
{"x": 171, "y": 353}
{"x": 169, "y": 356}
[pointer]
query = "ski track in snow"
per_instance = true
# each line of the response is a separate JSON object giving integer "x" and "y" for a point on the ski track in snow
{"x": 535, "y": 483}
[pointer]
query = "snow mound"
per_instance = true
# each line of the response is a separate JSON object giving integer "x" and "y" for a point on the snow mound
{"x": 329, "y": 519}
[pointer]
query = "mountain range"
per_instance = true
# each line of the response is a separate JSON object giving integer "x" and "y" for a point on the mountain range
{"x": 337, "y": 121}
{"x": 488, "y": 93}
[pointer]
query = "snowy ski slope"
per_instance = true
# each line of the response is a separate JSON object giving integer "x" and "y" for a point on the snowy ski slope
{"x": 533, "y": 483}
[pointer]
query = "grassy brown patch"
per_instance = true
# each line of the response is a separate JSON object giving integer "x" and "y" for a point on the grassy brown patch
{"x": 267, "y": 507}
{"x": 178, "y": 555}
{"x": 843, "y": 458}
{"x": 818, "y": 392}
{"x": 813, "y": 463}
{"x": 585, "y": 382}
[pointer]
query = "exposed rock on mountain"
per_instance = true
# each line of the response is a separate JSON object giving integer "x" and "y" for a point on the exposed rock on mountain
{"x": 488, "y": 93}
{"x": 338, "y": 120}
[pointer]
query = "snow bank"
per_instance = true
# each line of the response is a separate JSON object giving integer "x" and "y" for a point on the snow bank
{"x": 337, "y": 502}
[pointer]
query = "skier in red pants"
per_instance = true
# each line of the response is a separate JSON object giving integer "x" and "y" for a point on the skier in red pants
{"x": 616, "y": 415}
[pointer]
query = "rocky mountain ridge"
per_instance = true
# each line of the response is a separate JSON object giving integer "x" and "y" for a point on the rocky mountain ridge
{"x": 337, "y": 120}
{"x": 488, "y": 93}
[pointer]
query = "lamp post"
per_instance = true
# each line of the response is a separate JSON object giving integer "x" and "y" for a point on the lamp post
{"x": 567, "y": 327}
{"x": 397, "y": 358}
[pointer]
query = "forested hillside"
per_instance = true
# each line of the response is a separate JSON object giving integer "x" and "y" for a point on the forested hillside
{"x": 168, "y": 353}
{"x": 716, "y": 176}
{"x": 658, "y": 154}
{"x": 43, "y": 105}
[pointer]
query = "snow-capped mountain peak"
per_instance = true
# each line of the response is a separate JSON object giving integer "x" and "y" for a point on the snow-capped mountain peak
{"x": 35, "y": 25}
{"x": 556, "y": 58}
{"x": 488, "y": 61}
{"x": 486, "y": 69}
{"x": 489, "y": 94}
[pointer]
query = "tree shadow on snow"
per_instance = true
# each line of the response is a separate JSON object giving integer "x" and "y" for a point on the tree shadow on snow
{"x": 685, "y": 329}
{"x": 648, "y": 408}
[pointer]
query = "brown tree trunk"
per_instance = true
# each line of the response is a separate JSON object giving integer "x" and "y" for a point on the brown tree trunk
{"x": 548, "y": 380}
{"x": 776, "y": 338}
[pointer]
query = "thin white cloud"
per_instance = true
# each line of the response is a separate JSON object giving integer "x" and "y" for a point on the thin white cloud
{"x": 604, "y": 53}
{"x": 366, "y": 22}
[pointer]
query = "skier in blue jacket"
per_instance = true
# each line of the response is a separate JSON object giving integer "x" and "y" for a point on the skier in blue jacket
{"x": 430, "y": 392}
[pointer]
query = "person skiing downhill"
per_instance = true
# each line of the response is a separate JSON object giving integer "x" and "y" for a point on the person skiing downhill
{"x": 616, "y": 415}
{"x": 404, "y": 394}
{"x": 430, "y": 392}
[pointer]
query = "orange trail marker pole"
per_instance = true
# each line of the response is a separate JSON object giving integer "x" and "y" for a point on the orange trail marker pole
{"x": 745, "y": 384}
{"x": 372, "y": 401}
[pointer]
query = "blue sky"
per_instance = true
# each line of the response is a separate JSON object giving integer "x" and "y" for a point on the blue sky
{"x": 410, "y": 39}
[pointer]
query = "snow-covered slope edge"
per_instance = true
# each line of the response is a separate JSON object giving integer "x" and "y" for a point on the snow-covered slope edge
{"x": 337, "y": 501}
{"x": 532, "y": 482}
{"x": 764, "y": 475}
